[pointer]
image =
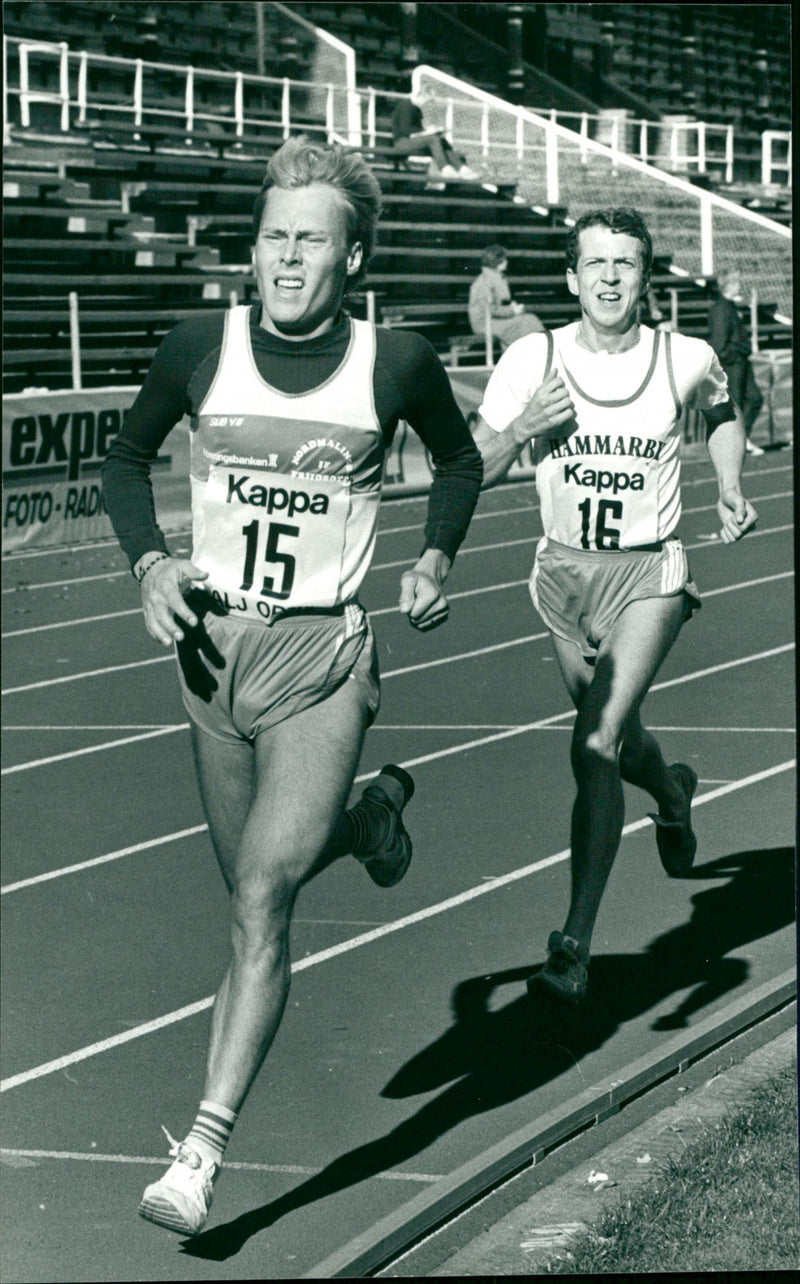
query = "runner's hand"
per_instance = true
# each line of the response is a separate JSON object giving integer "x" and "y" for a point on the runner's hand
{"x": 421, "y": 595}
{"x": 736, "y": 514}
{"x": 549, "y": 410}
{"x": 163, "y": 602}
{"x": 422, "y": 600}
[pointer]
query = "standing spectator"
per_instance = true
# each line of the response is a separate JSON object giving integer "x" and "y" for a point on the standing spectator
{"x": 490, "y": 292}
{"x": 728, "y": 338}
{"x": 410, "y": 137}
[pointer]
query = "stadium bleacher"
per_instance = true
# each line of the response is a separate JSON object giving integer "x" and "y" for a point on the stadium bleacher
{"x": 145, "y": 228}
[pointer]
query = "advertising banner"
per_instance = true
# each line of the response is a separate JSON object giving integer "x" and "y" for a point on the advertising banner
{"x": 54, "y": 444}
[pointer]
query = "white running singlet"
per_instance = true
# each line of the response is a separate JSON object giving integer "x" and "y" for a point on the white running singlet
{"x": 285, "y": 487}
{"x": 613, "y": 480}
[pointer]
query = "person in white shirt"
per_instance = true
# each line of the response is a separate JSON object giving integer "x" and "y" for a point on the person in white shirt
{"x": 600, "y": 400}
{"x": 490, "y": 292}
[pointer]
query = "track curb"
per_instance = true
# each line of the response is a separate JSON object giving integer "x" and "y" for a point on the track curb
{"x": 394, "y": 1234}
{"x": 540, "y": 1230}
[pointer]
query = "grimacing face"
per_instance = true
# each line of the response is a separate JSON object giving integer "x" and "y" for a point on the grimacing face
{"x": 608, "y": 278}
{"x": 302, "y": 259}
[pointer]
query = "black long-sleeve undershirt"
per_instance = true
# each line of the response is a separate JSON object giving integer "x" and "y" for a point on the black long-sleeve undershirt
{"x": 409, "y": 382}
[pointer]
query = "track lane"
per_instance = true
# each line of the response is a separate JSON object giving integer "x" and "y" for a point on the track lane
{"x": 320, "y": 1091}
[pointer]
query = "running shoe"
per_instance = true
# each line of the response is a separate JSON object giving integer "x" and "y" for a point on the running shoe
{"x": 387, "y": 856}
{"x": 676, "y": 842}
{"x": 180, "y": 1200}
{"x": 565, "y": 974}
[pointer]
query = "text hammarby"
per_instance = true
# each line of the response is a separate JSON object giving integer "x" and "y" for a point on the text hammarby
{"x": 638, "y": 447}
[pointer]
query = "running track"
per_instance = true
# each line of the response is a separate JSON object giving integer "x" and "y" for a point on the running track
{"x": 408, "y": 1045}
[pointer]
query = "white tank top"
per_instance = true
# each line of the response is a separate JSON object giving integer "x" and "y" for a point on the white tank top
{"x": 614, "y": 482}
{"x": 285, "y": 487}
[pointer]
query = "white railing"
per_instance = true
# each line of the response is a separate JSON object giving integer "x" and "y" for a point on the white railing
{"x": 769, "y": 162}
{"x": 334, "y": 63}
{"x": 688, "y": 145}
{"x": 550, "y": 165}
{"x": 331, "y": 109}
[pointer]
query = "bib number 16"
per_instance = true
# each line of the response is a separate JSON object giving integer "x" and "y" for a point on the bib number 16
{"x": 272, "y": 554}
{"x": 605, "y": 537}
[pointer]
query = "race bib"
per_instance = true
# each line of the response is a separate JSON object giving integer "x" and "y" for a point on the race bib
{"x": 599, "y": 507}
{"x": 270, "y": 542}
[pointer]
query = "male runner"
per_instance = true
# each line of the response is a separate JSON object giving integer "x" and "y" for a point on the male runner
{"x": 293, "y": 405}
{"x": 602, "y": 398}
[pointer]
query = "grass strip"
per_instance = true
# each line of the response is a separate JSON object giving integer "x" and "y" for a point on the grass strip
{"x": 729, "y": 1203}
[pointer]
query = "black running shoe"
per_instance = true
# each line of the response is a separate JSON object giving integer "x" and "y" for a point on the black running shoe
{"x": 676, "y": 842}
{"x": 388, "y": 856}
{"x": 565, "y": 974}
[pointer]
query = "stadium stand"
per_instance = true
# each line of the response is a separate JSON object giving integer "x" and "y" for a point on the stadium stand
{"x": 146, "y": 223}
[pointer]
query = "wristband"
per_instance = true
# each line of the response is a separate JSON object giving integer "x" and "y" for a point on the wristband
{"x": 141, "y": 573}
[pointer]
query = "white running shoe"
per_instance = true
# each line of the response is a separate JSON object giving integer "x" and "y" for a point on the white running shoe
{"x": 751, "y": 448}
{"x": 448, "y": 171}
{"x": 180, "y": 1200}
{"x": 466, "y": 171}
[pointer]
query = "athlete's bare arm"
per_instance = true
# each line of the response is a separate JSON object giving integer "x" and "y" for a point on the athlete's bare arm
{"x": 549, "y": 411}
{"x": 726, "y": 448}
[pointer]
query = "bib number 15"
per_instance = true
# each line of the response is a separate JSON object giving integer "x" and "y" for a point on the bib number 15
{"x": 272, "y": 554}
{"x": 605, "y": 537}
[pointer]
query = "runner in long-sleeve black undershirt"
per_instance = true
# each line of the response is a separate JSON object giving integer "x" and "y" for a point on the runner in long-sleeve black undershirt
{"x": 292, "y": 406}
{"x": 409, "y": 382}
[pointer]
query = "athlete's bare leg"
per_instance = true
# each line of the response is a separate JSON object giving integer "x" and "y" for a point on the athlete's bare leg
{"x": 302, "y": 772}
{"x": 608, "y": 697}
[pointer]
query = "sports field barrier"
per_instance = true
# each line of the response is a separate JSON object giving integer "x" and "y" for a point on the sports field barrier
{"x": 54, "y": 444}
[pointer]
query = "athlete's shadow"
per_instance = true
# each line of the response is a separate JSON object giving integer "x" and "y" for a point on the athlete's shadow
{"x": 492, "y": 1055}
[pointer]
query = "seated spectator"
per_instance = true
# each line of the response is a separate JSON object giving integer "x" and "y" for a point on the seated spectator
{"x": 410, "y": 137}
{"x": 728, "y": 337}
{"x": 490, "y": 292}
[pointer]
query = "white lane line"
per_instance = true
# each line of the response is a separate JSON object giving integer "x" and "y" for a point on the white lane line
{"x": 115, "y": 615}
{"x": 509, "y": 584}
{"x": 392, "y": 610}
{"x": 397, "y": 502}
{"x": 380, "y": 566}
{"x": 504, "y": 734}
{"x": 533, "y": 539}
{"x": 9, "y": 1154}
{"x": 506, "y": 726}
{"x": 88, "y": 673}
{"x": 391, "y": 673}
{"x": 465, "y": 655}
{"x": 387, "y": 530}
{"x": 134, "y": 850}
{"x": 67, "y": 624}
{"x": 365, "y": 938}
{"x": 91, "y": 726}
{"x": 87, "y": 749}
{"x": 756, "y": 731}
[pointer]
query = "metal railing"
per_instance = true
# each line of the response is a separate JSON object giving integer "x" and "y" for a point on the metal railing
{"x": 770, "y": 164}
{"x": 49, "y": 73}
{"x": 687, "y": 145}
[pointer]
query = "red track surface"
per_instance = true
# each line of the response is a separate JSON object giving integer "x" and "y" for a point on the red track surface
{"x": 409, "y": 1045}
